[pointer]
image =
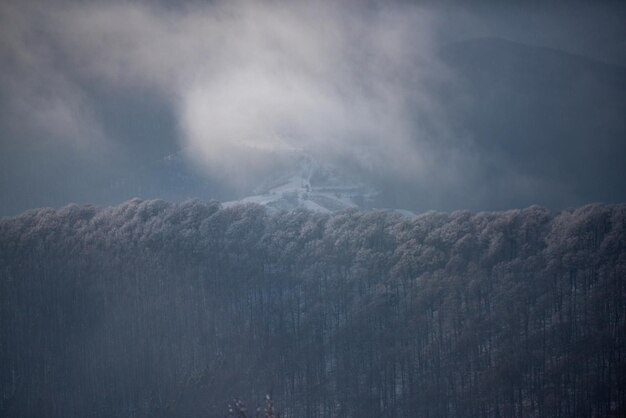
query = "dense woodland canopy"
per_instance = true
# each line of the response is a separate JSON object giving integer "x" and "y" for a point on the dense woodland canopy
{"x": 154, "y": 309}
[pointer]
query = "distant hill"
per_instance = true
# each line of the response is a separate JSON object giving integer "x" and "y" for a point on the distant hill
{"x": 546, "y": 123}
{"x": 531, "y": 125}
{"x": 309, "y": 184}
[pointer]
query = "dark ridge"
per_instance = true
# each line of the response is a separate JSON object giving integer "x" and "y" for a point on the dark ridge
{"x": 154, "y": 309}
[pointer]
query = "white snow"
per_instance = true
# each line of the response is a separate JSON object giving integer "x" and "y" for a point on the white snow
{"x": 312, "y": 186}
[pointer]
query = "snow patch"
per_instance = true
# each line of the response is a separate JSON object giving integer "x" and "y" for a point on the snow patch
{"x": 313, "y": 186}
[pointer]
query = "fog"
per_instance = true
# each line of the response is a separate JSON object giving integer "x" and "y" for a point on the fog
{"x": 100, "y": 90}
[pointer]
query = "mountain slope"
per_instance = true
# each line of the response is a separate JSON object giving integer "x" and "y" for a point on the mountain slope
{"x": 547, "y": 125}
{"x": 311, "y": 185}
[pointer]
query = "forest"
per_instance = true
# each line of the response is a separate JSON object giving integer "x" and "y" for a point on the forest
{"x": 157, "y": 309}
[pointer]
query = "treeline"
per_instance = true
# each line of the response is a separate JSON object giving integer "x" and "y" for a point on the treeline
{"x": 154, "y": 309}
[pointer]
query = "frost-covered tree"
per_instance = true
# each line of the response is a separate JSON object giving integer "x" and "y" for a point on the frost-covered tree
{"x": 159, "y": 309}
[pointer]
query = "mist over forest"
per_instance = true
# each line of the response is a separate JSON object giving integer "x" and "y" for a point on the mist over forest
{"x": 312, "y": 209}
{"x": 437, "y": 105}
{"x": 152, "y": 309}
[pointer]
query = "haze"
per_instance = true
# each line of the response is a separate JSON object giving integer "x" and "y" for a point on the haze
{"x": 439, "y": 106}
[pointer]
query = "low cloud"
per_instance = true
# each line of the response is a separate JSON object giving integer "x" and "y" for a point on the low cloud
{"x": 39, "y": 94}
{"x": 374, "y": 87}
{"x": 252, "y": 81}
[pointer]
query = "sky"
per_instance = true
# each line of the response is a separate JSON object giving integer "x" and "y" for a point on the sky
{"x": 440, "y": 105}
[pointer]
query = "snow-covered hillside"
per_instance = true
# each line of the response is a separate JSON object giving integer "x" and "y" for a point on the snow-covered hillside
{"x": 311, "y": 185}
